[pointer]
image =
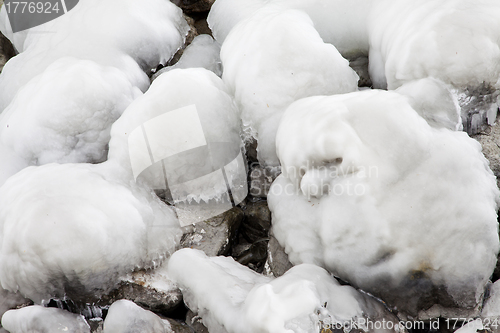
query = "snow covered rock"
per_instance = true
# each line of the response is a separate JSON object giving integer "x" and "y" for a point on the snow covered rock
{"x": 273, "y": 58}
{"x": 411, "y": 40}
{"x": 131, "y": 36}
{"x": 9, "y": 300}
{"x": 203, "y": 52}
{"x": 193, "y": 148}
{"x": 127, "y": 317}
{"x": 73, "y": 229}
{"x": 40, "y": 319}
{"x": 490, "y": 142}
{"x": 384, "y": 201}
{"x": 232, "y": 298}
{"x": 63, "y": 115}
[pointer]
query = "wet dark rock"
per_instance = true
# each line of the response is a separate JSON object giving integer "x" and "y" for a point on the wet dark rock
{"x": 195, "y": 322}
{"x": 277, "y": 259}
{"x": 257, "y": 221}
{"x": 360, "y": 66}
{"x": 215, "y": 236}
{"x": 194, "y": 6}
{"x": 251, "y": 151}
{"x": 7, "y": 51}
{"x": 261, "y": 179}
{"x": 147, "y": 297}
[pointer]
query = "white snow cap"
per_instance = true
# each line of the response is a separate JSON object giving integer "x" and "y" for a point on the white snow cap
{"x": 63, "y": 115}
{"x": 339, "y": 22}
{"x": 126, "y": 317}
{"x": 40, "y": 319}
{"x": 72, "y": 229}
{"x": 374, "y": 194}
{"x": 273, "y": 58}
{"x": 232, "y": 298}
{"x": 127, "y": 34}
{"x": 456, "y": 41}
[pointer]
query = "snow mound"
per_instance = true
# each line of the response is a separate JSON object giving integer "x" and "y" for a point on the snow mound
{"x": 39, "y": 319}
{"x": 72, "y": 229}
{"x": 412, "y": 40}
{"x": 63, "y": 115}
{"x": 232, "y": 298}
{"x": 384, "y": 201}
{"x": 129, "y": 35}
{"x": 273, "y": 58}
{"x": 125, "y": 316}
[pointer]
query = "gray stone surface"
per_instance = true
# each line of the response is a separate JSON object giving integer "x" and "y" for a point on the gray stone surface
{"x": 194, "y": 6}
{"x": 489, "y": 139}
{"x": 360, "y": 66}
{"x": 195, "y": 322}
{"x": 7, "y": 51}
{"x": 215, "y": 236}
{"x": 261, "y": 179}
{"x": 277, "y": 259}
{"x": 257, "y": 221}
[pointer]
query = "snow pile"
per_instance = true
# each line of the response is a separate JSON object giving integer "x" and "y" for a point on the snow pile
{"x": 125, "y": 316}
{"x": 39, "y": 319}
{"x": 128, "y": 35}
{"x": 203, "y": 52}
{"x": 412, "y": 40}
{"x": 381, "y": 199}
{"x": 339, "y": 22}
{"x": 193, "y": 131}
{"x": 232, "y": 298}
{"x": 273, "y": 58}
{"x": 72, "y": 229}
{"x": 63, "y": 115}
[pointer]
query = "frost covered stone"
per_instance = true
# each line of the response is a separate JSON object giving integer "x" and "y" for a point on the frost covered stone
{"x": 73, "y": 229}
{"x": 273, "y": 58}
{"x": 232, "y": 298}
{"x": 63, "y": 115}
{"x": 384, "y": 201}
{"x": 193, "y": 131}
{"x": 127, "y": 317}
{"x": 129, "y": 35}
{"x": 39, "y": 319}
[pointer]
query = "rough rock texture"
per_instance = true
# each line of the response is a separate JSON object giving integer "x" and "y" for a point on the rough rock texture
{"x": 360, "y": 66}
{"x": 7, "y": 51}
{"x": 257, "y": 221}
{"x": 277, "y": 259}
{"x": 9, "y": 301}
{"x": 178, "y": 327}
{"x": 489, "y": 139}
{"x": 261, "y": 179}
{"x": 214, "y": 236}
{"x": 147, "y": 297}
{"x": 195, "y": 322}
{"x": 194, "y": 6}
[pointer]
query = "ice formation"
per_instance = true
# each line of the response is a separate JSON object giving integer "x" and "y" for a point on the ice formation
{"x": 125, "y": 316}
{"x": 40, "y": 319}
{"x": 63, "y": 115}
{"x": 128, "y": 35}
{"x": 193, "y": 131}
{"x": 384, "y": 201}
{"x": 232, "y": 298}
{"x": 273, "y": 58}
{"x": 203, "y": 52}
{"x": 72, "y": 229}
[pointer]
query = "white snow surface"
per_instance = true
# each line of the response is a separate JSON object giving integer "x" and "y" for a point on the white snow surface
{"x": 203, "y": 52}
{"x": 126, "y": 317}
{"x": 73, "y": 229}
{"x": 63, "y": 115}
{"x": 174, "y": 91}
{"x": 232, "y": 298}
{"x": 40, "y": 319}
{"x": 456, "y": 41}
{"x": 371, "y": 192}
{"x": 128, "y": 35}
{"x": 273, "y": 58}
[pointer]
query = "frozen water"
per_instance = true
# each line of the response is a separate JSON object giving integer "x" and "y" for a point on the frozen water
{"x": 273, "y": 58}
{"x": 63, "y": 115}
{"x": 126, "y": 317}
{"x": 457, "y": 42}
{"x": 129, "y": 35}
{"x": 232, "y": 298}
{"x": 203, "y": 52}
{"x": 72, "y": 229}
{"x": 39, "y": 319}
{"x": 374, "y": 194}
